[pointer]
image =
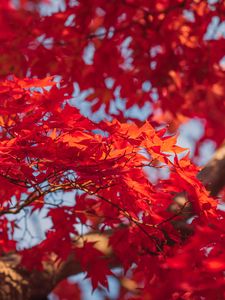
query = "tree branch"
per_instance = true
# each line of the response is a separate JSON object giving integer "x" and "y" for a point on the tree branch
{"x": 18, "y": 284}
{"x": 213, "y": 174}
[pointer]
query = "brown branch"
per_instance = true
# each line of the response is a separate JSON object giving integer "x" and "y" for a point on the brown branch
{"x": 213, "y": 174}
{"x": 19, "y": 284}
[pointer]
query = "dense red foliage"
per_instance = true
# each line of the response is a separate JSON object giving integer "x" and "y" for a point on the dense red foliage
{"x": 160, "y": 52}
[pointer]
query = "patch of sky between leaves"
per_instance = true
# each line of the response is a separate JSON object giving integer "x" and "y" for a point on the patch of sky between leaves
{"x": 215, "y": 30}
{"x": 222, "y": 63}
{"x": 52, "y": 7}
{"x": 211, "y": 2}
{"x": 189, "y": 15}
{"x": 46, "y": 9}
{"x": 141, "y": 113}
{"x": 42, "y": 40}
{"x": 79, "y": 101}
{"x": 154, "y": 174}
{"x": 88, "y": 54}
{"x": 32, "y": 228}
{"x": 189, "y": 134}
{"x": 137, "y": 112}
{"x": 119, "y": 104}
{"x": 70, "y": 21}
{"x": 126, "y": 53}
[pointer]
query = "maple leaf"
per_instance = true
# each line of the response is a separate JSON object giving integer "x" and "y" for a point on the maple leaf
{"x": 94, "y": 264}
{"x": 67, "y": 290}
